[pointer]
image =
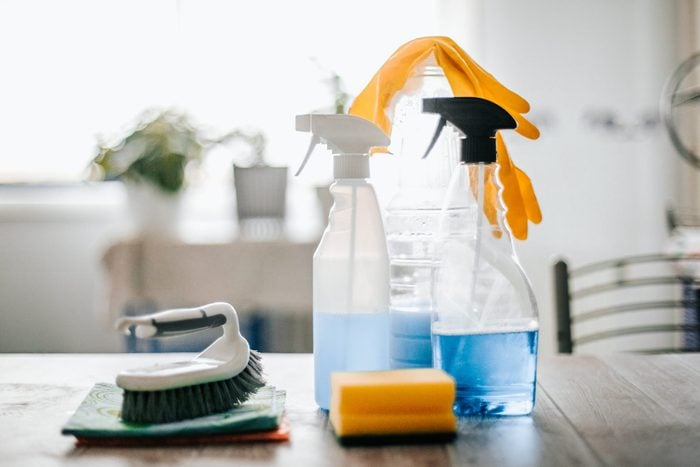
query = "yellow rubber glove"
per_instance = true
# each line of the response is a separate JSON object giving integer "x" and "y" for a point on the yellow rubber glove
{"x": 518, "y": 194}
{"x": 467, "y": 79}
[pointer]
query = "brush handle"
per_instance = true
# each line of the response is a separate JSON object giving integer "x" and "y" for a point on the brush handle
{"x": 225, "y": 358}
{"x": 182, "y": 321}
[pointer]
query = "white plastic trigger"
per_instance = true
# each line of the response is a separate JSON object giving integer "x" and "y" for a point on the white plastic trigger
{"x": 438, "y": 132}
{"x": 315, "y": 140}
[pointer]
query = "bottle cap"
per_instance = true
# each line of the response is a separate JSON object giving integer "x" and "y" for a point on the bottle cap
{"x": 478, "y": 120}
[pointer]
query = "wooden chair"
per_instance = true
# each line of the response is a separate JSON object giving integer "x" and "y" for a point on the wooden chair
{"x": 568, "y": 297}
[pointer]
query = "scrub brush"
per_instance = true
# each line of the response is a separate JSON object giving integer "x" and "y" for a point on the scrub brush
{"x": 223, "y": 376}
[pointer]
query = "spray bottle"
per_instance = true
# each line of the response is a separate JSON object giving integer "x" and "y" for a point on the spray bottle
{"x": 351, "y": 264}
{"x": 484, "y": 327}
{"x": 412, "y": 214}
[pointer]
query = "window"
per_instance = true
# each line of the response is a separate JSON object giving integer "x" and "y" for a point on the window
{"x": 73, "y": 70}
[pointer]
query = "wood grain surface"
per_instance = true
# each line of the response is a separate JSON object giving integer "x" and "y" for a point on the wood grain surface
{"x": 618, "y": 409}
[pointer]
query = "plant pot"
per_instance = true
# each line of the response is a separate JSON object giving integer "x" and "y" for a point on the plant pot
{"x": 153, "y": 212}
{"x": 261, "y": 192}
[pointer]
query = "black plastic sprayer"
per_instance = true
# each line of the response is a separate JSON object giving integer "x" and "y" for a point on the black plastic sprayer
{"x": 478, "y": 120}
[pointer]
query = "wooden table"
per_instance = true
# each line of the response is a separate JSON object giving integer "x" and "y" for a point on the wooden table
{"x": 613, "y": 410}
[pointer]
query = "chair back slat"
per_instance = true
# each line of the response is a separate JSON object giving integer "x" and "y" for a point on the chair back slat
{"x": 629, "y": 260}
{"x": 628, "y": 307}
{"x": 640, "y": 282}
{"x": 636, "y": 330}
{"x": 607, "y": 277}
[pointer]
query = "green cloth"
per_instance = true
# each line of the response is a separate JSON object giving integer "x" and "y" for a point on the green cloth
{"x": 99, "y": 416}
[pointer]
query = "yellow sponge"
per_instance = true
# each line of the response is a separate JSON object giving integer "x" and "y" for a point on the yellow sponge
{"x": 387, "y": 424}
{"x": 394, "y": 391}
{"x": 392, "y": 403}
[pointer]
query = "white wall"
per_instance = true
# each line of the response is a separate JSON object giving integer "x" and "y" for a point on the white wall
{"x": 602, "y": 195}
{"x": 52, "y": 293}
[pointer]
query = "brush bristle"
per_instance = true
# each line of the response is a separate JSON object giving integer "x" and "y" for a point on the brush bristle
{"x": 172, "y": 405}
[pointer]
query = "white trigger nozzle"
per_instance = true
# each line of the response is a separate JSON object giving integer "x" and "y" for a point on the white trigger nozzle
{"x": 315, "y": 139}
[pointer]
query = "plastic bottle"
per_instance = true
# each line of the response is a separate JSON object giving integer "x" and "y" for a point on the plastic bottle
{"x": 485, "y": 326}
{"x": 412, "y": 215}
{"x": 351, "y": 264}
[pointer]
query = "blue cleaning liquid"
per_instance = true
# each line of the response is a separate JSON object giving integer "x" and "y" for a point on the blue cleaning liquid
{"x": 347, "y": 342}
{"x": 409, "y": 342}
{"x": 495, "y": 372}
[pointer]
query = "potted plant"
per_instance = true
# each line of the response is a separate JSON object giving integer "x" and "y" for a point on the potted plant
{"x": 261, "y": 189}
{"x": 152, "y": 160}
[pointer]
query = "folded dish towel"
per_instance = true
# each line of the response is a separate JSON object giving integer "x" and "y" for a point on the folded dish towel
{"x": 97, "y": 422}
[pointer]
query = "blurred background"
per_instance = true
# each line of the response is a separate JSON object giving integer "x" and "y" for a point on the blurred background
{"x": 77, "y": 77}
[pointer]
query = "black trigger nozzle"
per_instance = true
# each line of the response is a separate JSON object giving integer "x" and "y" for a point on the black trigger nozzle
{"x": 477, "y": 119}
{"x": 436, "y": 136}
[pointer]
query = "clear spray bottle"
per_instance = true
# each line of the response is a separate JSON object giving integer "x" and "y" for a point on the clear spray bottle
{"x": 351, "y": 264}
{"x": 485, "y": 326}
{"x": 412, "y": 214}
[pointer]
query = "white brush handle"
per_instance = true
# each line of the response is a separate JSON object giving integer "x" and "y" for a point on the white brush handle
{"x": 227, "y": 357}
{"x": 182, "y": 321}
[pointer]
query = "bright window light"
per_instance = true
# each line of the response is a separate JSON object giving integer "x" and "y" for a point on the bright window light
{"x": 73, "y": 70}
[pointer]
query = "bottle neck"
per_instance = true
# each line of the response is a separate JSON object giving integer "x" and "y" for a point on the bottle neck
{"x": 476, "y": 188}
{"x": 476, "y": 150}
{"x": 350, "y": 166}
{"x": 412, "y": 130}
